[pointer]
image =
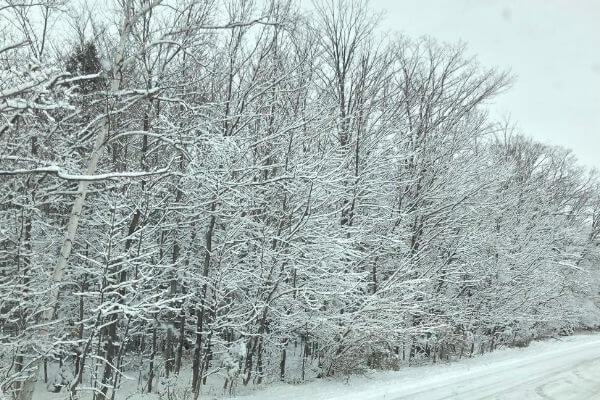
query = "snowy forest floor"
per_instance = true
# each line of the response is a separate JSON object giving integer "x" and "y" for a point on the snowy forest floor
{"x": 554, "y": 369}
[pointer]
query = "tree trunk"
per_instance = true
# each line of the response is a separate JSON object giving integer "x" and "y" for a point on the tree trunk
{"x": 26, "y": 392}
{"x": 152, "y": 356}
{"x": 181, "y": 341}
{"x": 197, "y": 363}
{"x": 282, "y": 362}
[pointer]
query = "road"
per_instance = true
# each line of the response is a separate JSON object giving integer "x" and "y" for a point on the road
{"x": 566, "y": 373}
{"x": 565, "y": 369}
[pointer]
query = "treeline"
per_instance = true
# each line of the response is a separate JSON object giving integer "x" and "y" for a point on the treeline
{"x": 247, "y": 192}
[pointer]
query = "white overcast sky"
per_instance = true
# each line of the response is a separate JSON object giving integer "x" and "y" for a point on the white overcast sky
{"x": 551, "y": 46}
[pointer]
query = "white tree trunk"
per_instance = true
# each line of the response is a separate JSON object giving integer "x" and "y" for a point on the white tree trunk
{"x": 27, "y": 388}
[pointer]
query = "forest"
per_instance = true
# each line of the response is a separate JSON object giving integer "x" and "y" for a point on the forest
{"x": 198, "y": 196}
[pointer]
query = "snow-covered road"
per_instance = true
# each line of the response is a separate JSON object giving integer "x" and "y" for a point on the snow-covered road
{"x": 568, "y": 372}
{"x": 566, "y": 369}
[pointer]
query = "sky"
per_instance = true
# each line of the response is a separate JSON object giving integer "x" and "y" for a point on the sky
{"x": 552, "y": 47}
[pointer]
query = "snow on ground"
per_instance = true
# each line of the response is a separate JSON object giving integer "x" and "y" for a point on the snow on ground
{"x": 567, "y": 368}
{"x": 557, "y": 369}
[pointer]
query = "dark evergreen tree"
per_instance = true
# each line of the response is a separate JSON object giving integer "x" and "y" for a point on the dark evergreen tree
{"x": 84, "y": 60}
